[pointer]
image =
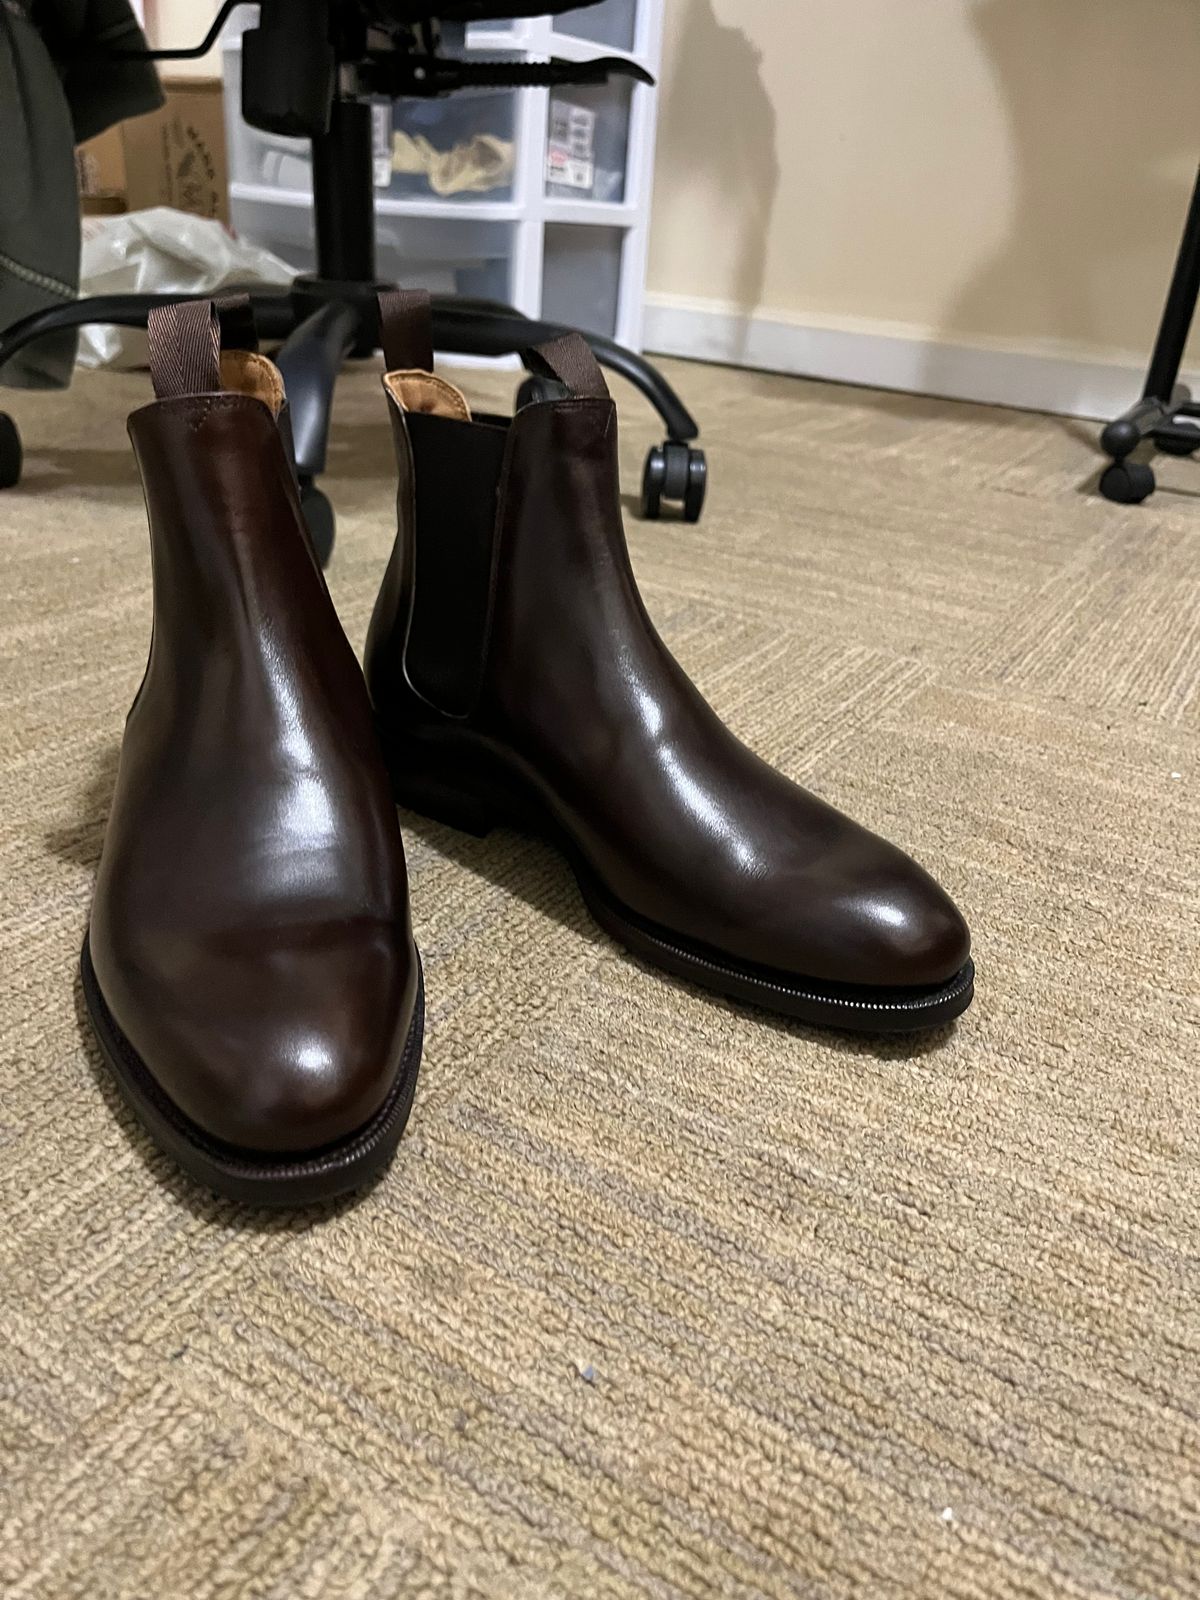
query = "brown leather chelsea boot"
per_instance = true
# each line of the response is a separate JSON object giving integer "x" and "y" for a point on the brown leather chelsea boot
{"x": 517, "y": 680}
{"x": 249, "y": 968}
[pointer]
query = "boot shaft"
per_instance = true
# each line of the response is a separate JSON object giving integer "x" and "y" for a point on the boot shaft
{"x": 510, "y": 550}
{"x": 250, "y": 741}
{"x": 242, "y": 614}
{"x": 430, "y": 621}
{"x": 222, "y": 510}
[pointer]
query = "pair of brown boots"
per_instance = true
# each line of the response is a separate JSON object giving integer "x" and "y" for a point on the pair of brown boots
{"x": 250, "y": 968}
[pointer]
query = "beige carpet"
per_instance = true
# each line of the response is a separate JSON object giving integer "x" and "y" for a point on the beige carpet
{"x": 662, "y": 1297}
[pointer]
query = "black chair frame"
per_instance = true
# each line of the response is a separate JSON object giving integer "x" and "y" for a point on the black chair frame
{"x": 328, "y": 316}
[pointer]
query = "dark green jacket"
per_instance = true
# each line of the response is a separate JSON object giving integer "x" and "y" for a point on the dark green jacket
{"x": 58, "y": 86}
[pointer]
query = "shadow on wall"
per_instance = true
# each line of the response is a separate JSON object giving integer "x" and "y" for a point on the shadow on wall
{"x": 1102, "y": 99}
{"x": 724, "y": 126}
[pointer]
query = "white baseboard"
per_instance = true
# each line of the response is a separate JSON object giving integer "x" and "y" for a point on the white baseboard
{"x": 1064, "y": 379}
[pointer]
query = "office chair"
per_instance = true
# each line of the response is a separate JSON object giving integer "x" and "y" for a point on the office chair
{"x": 311, "y": 68}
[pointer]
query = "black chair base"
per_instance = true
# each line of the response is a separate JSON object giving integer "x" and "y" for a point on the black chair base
{"x": 321, "y": 322}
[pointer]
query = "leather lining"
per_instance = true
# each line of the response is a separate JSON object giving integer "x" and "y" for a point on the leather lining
{"x": 424, "y": 393}
{"x": 244, "y": 372}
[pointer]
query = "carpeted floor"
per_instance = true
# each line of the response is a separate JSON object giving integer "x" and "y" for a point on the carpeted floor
{"x": 661, "y": 1297}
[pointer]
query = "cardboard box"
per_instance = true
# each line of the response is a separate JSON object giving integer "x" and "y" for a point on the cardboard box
{"x": 176, "y": 156}
{"x": 100, "y": 169}
{"x": 171, "y": 157}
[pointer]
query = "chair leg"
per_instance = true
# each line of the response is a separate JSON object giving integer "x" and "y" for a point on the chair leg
{"x": 318, "y": 338}
{"x": 676, "y": 472}
{"x": 310, "y": 359}
{"x": 273, "y": 313}
{"x": 131, "y": 311}
{"x": 476, "y": 328}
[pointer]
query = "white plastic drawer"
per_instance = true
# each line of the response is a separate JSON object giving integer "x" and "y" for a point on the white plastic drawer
{"x": 587, "y": 141}
{"x": 478, "y": 31}
{"x": 614, "y": 23}
{"x": 458, "y": 149}
{"x": 254, "y": 156}
{"x": 466, "y": 257}
{"x": 581, "y": 277}
{"x": 453, "y": 257}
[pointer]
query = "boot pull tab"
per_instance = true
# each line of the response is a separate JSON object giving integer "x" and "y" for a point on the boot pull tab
{"x": 406, "y": 329}
{"x": 571, "y": 361}
{"x": 185, "y": 341}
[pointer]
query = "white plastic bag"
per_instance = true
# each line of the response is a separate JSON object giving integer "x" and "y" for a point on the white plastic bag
{"x": 161, "y": 251}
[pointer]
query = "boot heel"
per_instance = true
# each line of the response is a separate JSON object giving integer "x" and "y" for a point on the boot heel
{"x": 441, "y": 804}
{"x": 440, "y": 784}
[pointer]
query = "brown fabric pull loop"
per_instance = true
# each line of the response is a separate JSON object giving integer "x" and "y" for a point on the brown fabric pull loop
{"x": 406, "y": 329}
{"x": 571, "y": 361}
{"x": 185, "y": 349}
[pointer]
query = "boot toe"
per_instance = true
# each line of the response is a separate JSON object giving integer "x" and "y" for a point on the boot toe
{"x": 306, "y": 1087}
{"x": 863, "y": 915}
{"x": 283, "y": 1051}
{"x": 905, "y": 932}
{"x": 321, "y": 1055}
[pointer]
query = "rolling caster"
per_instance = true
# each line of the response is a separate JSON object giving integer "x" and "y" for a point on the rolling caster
{"x": 10, "y": 452}
{"x": 678, "y": 473}
{"x": 1127, "y": 482}
{"x": 534, "y": 390}
{"x": 1176, "y": 447}
{"x": 318, "y": 518}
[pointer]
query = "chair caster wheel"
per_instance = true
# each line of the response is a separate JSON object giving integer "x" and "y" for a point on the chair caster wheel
{"x": 10, "y": 452}
{"x": 318, "y": 517}
{"x": 536, "y": 389}
{"x": 1176, "y": 447}
{"x": 1128, "y": 483}
{"x": 677, "y": 472}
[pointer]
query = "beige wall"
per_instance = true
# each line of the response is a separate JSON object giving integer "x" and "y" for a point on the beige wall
{"x": 1013, "y": 170}
{"x": 177, "y": 24}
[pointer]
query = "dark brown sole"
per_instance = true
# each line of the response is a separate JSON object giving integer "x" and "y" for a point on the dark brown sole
{"x": 432, "y": 781}
{"x": 257, "y": 1177}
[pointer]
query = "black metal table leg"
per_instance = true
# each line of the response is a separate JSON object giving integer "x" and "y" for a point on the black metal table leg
{"x": 1165, "y": 414}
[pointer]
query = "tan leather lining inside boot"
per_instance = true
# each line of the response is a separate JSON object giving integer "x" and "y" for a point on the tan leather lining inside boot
{"x": 422, "y": 391}
{"x": 244, "y": 372}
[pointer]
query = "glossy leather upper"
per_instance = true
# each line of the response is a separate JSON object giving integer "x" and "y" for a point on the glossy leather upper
{"x": 680, "y": 821}
{"x": 250, "y": 930}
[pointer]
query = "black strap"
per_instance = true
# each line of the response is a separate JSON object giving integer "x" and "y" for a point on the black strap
{"x": 237, "y": 322}
{"x": 570, "y": 360}
{"x": 185, "y": 343}
{"x": 406, "y": 329}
